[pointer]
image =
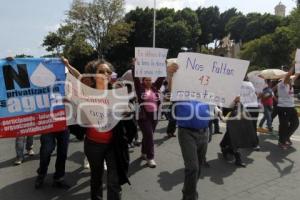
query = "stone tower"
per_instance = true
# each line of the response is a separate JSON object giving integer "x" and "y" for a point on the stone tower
{"x": 280, "y": 9}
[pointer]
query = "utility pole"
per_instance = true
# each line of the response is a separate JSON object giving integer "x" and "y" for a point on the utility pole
{"x": 154, "y": 23}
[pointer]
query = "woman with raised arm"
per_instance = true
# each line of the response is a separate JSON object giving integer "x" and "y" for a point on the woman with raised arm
{"x": 110, "y": 146}
{"x": 288, "y": 117}
{"x": 148, "y": 99}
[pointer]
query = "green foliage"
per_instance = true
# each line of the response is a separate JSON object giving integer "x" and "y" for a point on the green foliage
{"x": 270, "y": 51}
{"x": 101, "y": 22}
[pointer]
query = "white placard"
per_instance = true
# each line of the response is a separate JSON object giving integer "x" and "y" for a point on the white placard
{"x": 297, "y": 67}
{"x": 150, "y": 62}
{"x": 297, "y": 57}
{"x": 258, "y": 82}
{"x": 207, "y": 78}
{"x": 93, "y": 108}
{"x": 248, "y": 97}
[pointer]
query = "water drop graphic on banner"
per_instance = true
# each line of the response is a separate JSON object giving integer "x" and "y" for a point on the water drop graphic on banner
{"x": 42, "y": 77}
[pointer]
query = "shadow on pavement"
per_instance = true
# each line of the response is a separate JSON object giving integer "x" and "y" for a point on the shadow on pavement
{"x": 276, "y": 155}
{"x": 169, "y": 180}
{"x": 24, "y": 189}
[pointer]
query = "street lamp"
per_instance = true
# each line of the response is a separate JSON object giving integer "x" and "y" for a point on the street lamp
{"x": 154, "y": 22}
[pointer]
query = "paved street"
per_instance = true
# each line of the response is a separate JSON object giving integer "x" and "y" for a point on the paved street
{"x": 271, "y": 174}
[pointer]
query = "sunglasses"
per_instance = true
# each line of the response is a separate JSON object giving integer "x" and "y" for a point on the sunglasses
{"x": 104, "y": 71}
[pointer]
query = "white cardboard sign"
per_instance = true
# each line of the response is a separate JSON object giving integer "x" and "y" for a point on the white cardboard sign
{"x": 93, "y": 108}
{"x": 150, "y": 62}
{"x": 210, "y": 79}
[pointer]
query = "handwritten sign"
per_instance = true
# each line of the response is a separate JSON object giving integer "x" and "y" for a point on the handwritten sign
{"x": 297, "y": 67}
{"x": 93, "y": 108}
{"x": 150, "y": 62}
{"x": 258, "y": 82}
{"x": 297, "y": 57}
{"x": 209, "y": 79}
{"x": 247, "y": 96}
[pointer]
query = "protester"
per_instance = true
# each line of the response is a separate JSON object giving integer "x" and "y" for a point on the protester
{"x": 226, "y": 143}
{"x": 288, "y": 117}
{"x": 49, "y": 141}
{"x": 251, "y": 107}
{"x": 214, "y": 127}
{"x": 275, "y": 99}
{"x": 20, "y": 143}
{"x": 110, "y": 146}
{"x": 193, "y": 139}
{"x": 148, "y": 99}
{"x": 267, "y": 102}
{"x": 167, "y": 110}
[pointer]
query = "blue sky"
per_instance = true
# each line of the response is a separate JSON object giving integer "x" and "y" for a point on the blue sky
{"x": 24, "y": 23}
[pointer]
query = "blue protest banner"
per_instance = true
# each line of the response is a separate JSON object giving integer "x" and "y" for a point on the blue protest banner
{"x": 31, "y": 96}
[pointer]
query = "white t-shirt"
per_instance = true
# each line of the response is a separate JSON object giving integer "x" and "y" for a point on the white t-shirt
{"x": 247, "y": 95}
{"x": 285, "y": 95}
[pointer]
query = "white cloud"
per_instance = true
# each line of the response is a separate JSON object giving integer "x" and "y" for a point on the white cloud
{"x": 52, "y": 28}
{"x": 176, "y": 4}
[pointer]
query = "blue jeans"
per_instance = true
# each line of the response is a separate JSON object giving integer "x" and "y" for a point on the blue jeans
{"x": 267, "y": 116}
{"x": 20, "y": 144}
{"x": 48, "y": 143}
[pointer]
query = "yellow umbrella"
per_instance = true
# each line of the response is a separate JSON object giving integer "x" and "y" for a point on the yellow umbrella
{"x": 272, "y": 74}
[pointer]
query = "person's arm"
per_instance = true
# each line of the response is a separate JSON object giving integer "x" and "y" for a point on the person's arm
{"x": 288, "y": 76}
{"x": 137, "y": 85}
{"x": 158, "y": 83}
{"x": 171, "y": 69}
{"x": 71, "y": 69}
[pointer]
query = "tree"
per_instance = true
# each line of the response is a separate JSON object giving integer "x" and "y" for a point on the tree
{"x": 193, "y": 29}
{"x": 236, "y": 27}
{"x": 55, "y": 41}
{"x": 272, "y": 50}
{"x": 168, "y": 32}
{"x": 224, "y": 19}
{"x": 101, "y": 22}
{"x": 294, "y": 26}
{"x": 209, "y": 20}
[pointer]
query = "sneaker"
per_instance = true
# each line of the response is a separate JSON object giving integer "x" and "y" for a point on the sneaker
{"x": 86, "y": 164}
{"x": 151, "y": 163}
{"x": 283, "y": 146}
{"x": 143, "y": 157}
{"x": 30, "y": 152}
{"x": 61, "y": 184}
{"x": 137, "y": 142}
{"x": 18, "y": 161}
{"x": 171, "y": 135}
{"x": 289, "y": 142}
{"x": 39, "y": 181}
{"x": 257, "y": 148}
{"x": 262, "y": 130}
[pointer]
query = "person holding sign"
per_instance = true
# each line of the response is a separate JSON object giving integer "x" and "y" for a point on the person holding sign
{"x": 149, "y": 101}
{"x": 192, "y": 119}
{"x": 288, "y": 118}
{"x": 110, "y": 146}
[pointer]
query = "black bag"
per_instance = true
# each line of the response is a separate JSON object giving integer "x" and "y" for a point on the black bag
{"x": 241, "y": 131}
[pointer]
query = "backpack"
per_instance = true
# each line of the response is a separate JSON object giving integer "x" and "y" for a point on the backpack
{"x": 192, "y": 114}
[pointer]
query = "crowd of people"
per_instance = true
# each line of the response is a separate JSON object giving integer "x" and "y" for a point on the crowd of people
{"x": 194, "y": 134}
